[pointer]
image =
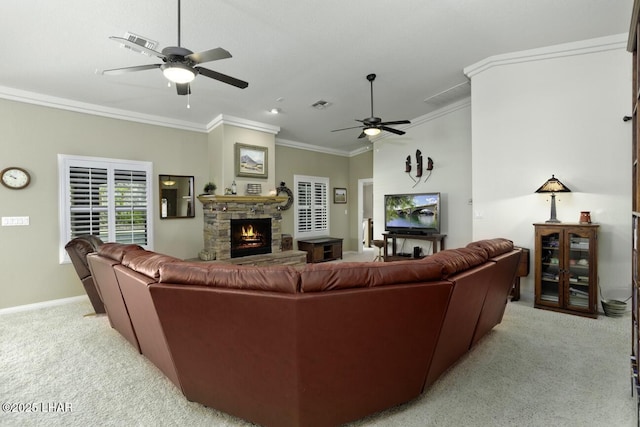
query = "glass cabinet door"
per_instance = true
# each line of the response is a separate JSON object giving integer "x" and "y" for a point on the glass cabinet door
{"x": 550, "y": 274}
{"x": 578, "y": 271}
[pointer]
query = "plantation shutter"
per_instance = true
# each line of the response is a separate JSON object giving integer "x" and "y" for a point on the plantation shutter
{"x": 304, "y": 206}
{"x": 312, "y": 210}
{"x": 130, "y": 204}
{"x": 107, "y": 198}
{"x": 320, "y": 206}
{"x": 88, "y": 201}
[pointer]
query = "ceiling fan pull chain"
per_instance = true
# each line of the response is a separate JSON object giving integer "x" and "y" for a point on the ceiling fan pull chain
{"x": 189, "y": 98}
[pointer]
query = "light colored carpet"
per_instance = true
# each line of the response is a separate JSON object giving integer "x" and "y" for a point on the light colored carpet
{"x": 537, "y": 368}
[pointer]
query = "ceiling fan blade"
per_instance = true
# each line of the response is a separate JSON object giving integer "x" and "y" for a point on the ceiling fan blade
{"x": 392, "y": 130}
{"x": 222, "y": 77}
{"x": 397, "y": 122}
{"x": 131, "y": 69}
{"x": 362, "y": 135}
{"x": 136, "y": 46}
{"x": 209, "y": 55}
{"x": 353, "y": 127}
{"x": 183, "y": 88}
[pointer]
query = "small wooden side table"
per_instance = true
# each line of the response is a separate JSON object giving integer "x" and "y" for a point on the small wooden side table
{"x": 321, "y": 249}
{"x": 522, "y": 271}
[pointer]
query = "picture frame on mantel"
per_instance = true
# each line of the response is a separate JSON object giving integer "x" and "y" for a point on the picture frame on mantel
{"x": 251, "y": 161}
{"x": 339, "y": 195}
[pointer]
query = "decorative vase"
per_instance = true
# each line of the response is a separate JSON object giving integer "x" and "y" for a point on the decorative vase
{"x": 585, "y": 217}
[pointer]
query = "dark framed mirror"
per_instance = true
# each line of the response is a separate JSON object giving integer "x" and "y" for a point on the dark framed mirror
{"x": 176, "y": 196}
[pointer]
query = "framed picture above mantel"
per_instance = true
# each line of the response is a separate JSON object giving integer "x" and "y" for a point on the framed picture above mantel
{"x": 251, "y": 161}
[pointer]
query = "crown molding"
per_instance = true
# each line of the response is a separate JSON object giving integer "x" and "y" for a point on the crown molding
{"x": 319, "y": 149}
{"x": 224, "y": 119}
{"x": 448, "y": 109}
{"x": 97, "y": 110}
{"x": 601, "y": 44}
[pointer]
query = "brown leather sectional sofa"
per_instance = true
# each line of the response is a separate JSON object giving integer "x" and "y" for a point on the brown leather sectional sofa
{"x": 317, "y": 346}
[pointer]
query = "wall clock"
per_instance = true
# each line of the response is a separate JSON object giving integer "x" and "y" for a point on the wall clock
{"x": 15, "y": 178}
{"x": 283, "y": 189}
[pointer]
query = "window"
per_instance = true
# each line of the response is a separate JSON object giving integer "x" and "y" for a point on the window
{"x": 108, "y": 198}
{"x": 311, "y": 216}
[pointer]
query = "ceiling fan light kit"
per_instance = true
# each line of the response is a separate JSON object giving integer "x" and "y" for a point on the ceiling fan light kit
{"x": 372, "y": 131}
{"x": 373, "y": 125}
{"x": 178, "y": 73}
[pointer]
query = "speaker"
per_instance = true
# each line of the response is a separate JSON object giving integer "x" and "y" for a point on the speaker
{"x": 416, "y": 251}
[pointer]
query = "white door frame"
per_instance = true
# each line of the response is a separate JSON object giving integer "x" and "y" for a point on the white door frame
{"x": 361, "y": 183}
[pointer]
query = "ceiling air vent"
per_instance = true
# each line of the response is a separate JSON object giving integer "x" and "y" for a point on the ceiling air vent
{"x": 455, "y": 93}
{"x": 320, "y": 105}
{"x": 140, "y": 41}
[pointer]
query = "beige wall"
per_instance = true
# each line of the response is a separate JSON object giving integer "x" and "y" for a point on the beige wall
{"x": 32, "y": 137}
{"x": 222, "y": 141}
{"x": 341, "y": 171}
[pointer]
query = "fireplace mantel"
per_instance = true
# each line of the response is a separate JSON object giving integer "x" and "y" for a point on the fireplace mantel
{"x": 214, "y": 198}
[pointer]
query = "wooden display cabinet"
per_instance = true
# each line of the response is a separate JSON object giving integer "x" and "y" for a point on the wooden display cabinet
{"x": 566, "y": 263}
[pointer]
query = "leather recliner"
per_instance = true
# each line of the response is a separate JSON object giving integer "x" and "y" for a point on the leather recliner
{"x": 78, "y": 249}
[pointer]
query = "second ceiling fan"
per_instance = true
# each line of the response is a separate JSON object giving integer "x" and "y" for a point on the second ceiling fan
{"x": 372, "y": 126}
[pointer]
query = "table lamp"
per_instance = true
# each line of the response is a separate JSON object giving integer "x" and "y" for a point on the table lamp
{"x": 553, "y": 185}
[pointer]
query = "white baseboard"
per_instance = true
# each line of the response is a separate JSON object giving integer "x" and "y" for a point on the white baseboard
{"x": 43, "y": 304}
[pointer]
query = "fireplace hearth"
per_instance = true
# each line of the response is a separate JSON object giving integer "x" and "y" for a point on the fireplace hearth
{"x": 250, "y": 237}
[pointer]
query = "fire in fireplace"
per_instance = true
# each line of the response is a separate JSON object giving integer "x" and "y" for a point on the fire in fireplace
{"x": 250, "y": 237}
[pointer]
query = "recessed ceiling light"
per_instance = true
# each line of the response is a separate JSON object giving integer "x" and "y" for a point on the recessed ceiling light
{"x": 275, "y": 111}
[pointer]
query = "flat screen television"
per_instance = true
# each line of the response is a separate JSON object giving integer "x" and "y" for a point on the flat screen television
{"x": 412, "y": 213}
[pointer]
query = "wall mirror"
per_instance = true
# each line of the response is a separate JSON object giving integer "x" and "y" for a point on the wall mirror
{"x": 176, "y": 196}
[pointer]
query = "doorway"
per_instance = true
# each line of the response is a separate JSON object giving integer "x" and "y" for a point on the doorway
{"x": 365, "y": 214}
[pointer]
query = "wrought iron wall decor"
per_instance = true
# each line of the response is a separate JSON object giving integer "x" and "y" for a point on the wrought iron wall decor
{"x": 419, "y": 168}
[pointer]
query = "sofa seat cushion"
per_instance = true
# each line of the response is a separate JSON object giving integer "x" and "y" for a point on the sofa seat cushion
{"x": 345, "y": 275}
{"x": 146, "y": 262}
{"x": 116, "y": 251}
{"x": 493, "y": 247}
{"x": 277, "y": 278}
{"x": 458, "y": 260}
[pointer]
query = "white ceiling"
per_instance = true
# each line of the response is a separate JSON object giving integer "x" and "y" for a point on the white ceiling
{"x": 299, "y": 51}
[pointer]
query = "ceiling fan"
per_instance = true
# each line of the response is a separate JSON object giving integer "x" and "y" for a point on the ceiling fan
{"x": 372, "y": 126}
{"x": 180, "y": 64}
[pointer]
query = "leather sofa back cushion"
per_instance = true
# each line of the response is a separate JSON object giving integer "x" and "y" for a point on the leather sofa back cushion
{"x": 277, "y": 278}
{"x": 493, "y": 247}
{"x": 146, "y": 262}
{"x": 78, "y": 250}
{"x": 116, "y": 251}
{"x": 457, "y": 260}
{"x": 345, "y": 275}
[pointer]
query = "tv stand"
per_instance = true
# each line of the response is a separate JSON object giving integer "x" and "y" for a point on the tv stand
{"x": 437, "y": 241}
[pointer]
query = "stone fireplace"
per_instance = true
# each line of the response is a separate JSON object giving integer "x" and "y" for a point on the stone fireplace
{"x": 258, "y": 211}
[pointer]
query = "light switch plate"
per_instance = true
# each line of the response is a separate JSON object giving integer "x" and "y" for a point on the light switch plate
{"x": 10, "y": 221}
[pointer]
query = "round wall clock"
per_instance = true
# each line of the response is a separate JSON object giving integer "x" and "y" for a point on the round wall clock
{"x": 288, "y": 193}
{"x": 15, "y": 178}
